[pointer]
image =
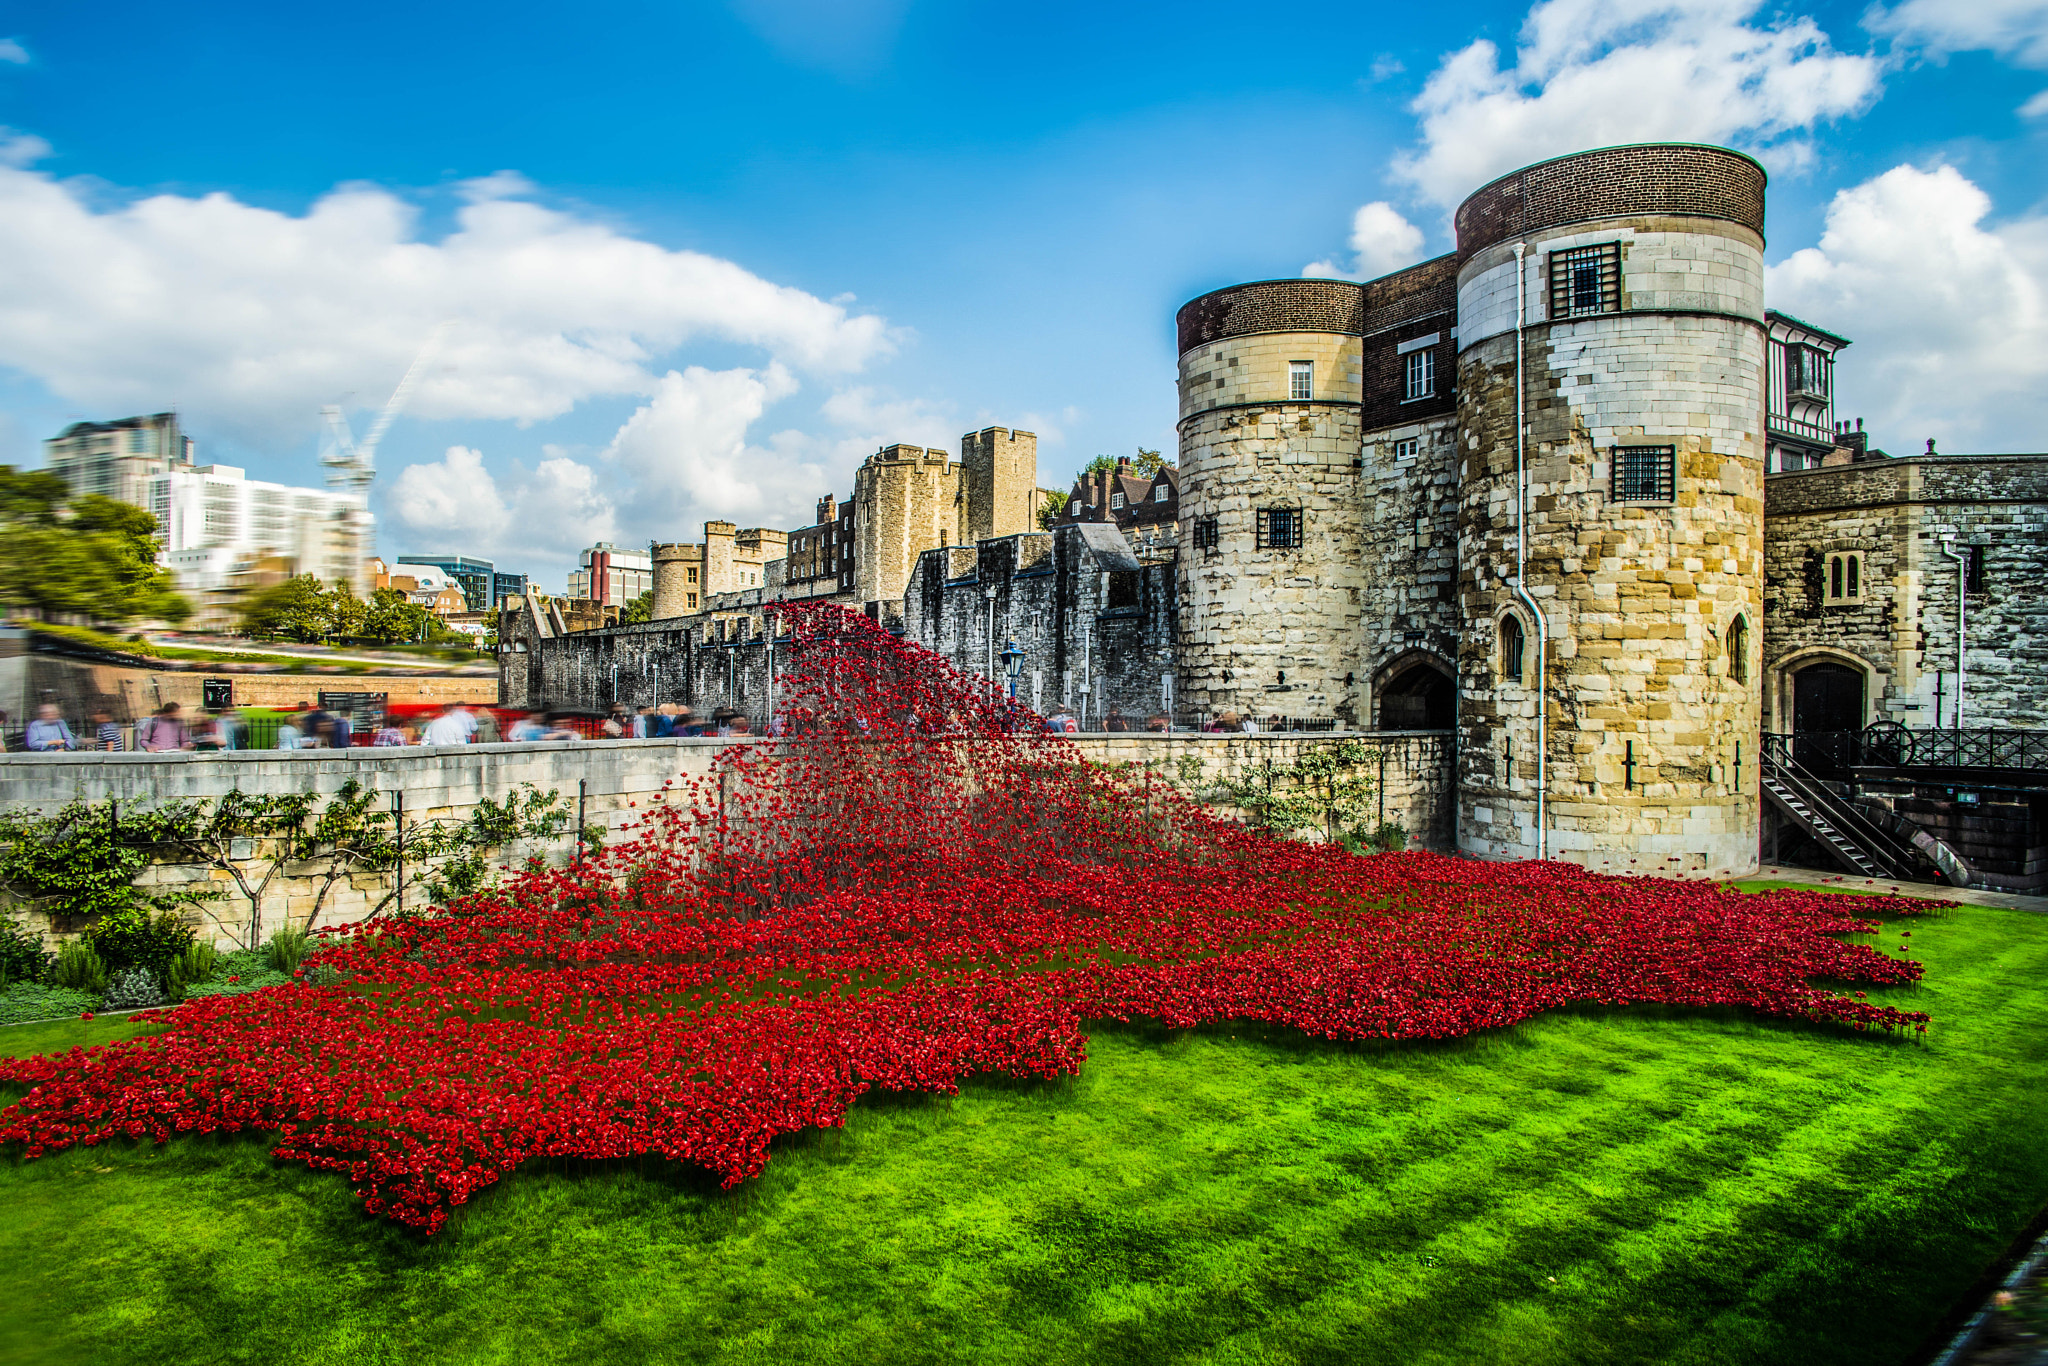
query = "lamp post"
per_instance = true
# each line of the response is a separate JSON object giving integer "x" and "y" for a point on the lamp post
{"x": 1013, "y": 665}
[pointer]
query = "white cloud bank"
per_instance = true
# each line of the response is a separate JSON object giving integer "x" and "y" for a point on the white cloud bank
{"x": 1592, "y": 73}
{"x": 11, "y": 50}
{"x": 250, "y": 319}
{"x": 1950, "y": 316}
{"x": 2014, "y": 29}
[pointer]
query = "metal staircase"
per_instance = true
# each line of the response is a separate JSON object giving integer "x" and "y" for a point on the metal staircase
{"x": 1862, "y": 845}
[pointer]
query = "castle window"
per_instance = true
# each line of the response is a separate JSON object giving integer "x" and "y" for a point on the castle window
{"x": 1738, "y": 649}
{"x": 1206, "y": 535}
{"x": 693, "y": 599}
{"x": 1279, "y": 529}
{"x": 1301, "y": 380}
{"x": 1408, "y": 448}
{"x": 1420, "y": 373}
{"x": 1585, "y": 281}
{"x": 693, "y": 576}
{"x": 1644, "y": 474}
{"x": 1512, "y": 643}
{"x": 1845, "y": 577}
{"x": 1973, "y": 570}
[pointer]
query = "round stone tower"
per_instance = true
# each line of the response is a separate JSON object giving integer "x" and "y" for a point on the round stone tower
{"x": 1269, "y": 507}
{"x": 677, "y": 569}
{"x": 1610, "y": 526}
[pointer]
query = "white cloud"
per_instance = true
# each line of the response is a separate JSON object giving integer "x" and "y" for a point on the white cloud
{"x": 1591, "y": 73}
{"x": 1950, "y": 316}
{"x": 2017, "y": 29}
{"x": 249, "y": 319}
{"x": 849, "y": 37}
{"x": 2035, "y": 108}
{"x": 1382, "y": 241}
{"x": 21, "y": 149}
{"x": 11, "y": 50}
{"x": 554, "y": 510}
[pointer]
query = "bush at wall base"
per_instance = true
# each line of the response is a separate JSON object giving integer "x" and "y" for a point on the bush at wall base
{"x": 25, "y": 1001}
{"x": 133, "y": 989}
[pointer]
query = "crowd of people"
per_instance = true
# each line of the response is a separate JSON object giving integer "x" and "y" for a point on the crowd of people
{"x": 171, "y": 728}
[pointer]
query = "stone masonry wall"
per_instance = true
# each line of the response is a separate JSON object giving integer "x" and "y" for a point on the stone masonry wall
{"x": 1900, "y": 630}
{"x": 448, "y": 782}
{"x": 1638, "y": 599}
{"x": 1408, "y": 553}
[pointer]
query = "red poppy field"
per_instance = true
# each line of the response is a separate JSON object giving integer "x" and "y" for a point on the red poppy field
{"x": 909, "y": 887}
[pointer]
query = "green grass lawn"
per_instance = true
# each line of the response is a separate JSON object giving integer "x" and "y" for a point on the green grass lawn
{"x": 1640, "y": 1186}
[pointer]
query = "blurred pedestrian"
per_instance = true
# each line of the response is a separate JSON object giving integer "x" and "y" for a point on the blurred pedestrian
{"x": 48, "y": 731}
{"x": 164, "y": 731}
{"x": 106, "y": 735}
{"x": 388, "y": 734}
{"x": 448, "y": 728}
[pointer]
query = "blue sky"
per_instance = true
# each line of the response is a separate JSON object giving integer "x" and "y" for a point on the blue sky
{"x": 697, "y": 260}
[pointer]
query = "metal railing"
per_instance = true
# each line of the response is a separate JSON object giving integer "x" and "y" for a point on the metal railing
{"x": 1836, "y": 821}
{"x": 1837, "y": 752}
{"x": 1808, "y": 431}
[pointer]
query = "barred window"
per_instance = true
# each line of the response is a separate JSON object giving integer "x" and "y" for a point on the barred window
{"x": 1279, "y": 529}
{"x": 1206, "y": 536}
{"x": 1643, "y": 474}
{"x": 1585, "y": 281}
{"x": 1421, "y": 374}
{"x": 1301, "y": 380}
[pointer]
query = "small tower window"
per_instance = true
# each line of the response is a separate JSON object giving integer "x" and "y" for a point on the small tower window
{"x": 1207, "y": 537}
{"x": 1738, "y": 649}
{"x": 1512, "y": 641}
{"x": 1279, "y": 529}
{"x": 1301, "y": 380}
{"x": 1408, "y": 448}
{"x": 1845, "y": 577}
{"x": 1420, "y": 374}
{"x": 1644, "y": 474}
{"x": 1585, "y": 281}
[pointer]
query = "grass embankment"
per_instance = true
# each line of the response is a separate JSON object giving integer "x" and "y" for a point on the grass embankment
{"x": 1634, "y": 1186}
{"x": 144, "y": 649}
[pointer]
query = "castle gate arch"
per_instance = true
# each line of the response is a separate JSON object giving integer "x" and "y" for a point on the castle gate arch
{"x": 1416, "y": 691}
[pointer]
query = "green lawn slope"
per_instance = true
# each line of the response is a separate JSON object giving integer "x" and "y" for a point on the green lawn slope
{"x": 1641, "y": 1186}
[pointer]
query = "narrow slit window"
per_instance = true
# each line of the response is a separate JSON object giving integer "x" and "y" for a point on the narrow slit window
{"x": 1738, "y": 649}
{"x": 1855, "y": 576}
{"x": 1512, "y": 642}
{"x": 1835, "y": 576}
{"x": 1973, "y": 572}
{"x": 1301, "y": 380}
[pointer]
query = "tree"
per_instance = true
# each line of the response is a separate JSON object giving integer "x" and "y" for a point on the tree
{"x": 296, "y": 609}
{"x": 638, "y": 610}
{"x": 1148, "y": 463}
{"x": 1101, "y": 464}
{"x": 84, "y": 556}
{"x": 1055, "y": 504}
{"x": 391, "y": 617}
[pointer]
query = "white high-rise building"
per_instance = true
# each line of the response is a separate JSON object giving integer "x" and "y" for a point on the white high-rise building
{"x": 212, "y": 518}
{"x": 116, "y": 459}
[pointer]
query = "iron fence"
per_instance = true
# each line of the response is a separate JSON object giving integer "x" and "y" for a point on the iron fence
{"x": 1834, "y": 752}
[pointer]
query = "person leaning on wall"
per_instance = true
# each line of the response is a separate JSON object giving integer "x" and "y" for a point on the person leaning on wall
{"x": 48, "y": 732}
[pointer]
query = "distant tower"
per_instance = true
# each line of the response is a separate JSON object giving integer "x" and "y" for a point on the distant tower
{"x": 1000, "y": 468}
{"x": 1270, "y": 515}
{"x": 1642, "y": 413}
{"x": 678, "y": 574}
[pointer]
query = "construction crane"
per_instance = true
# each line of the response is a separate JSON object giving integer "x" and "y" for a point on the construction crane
{"x": 352, "y": 467}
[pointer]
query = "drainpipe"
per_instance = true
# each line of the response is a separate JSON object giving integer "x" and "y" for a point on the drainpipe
{"x": 1962, "y": 617}
{"x": 1521, "y": 591}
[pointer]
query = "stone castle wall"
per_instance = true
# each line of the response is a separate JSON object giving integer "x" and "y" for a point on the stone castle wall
{"x": 1899, "y": 631}
{"x": 1638, "y": 599}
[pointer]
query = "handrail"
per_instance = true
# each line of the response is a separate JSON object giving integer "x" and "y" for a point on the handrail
{"x": 1889, "y": 746}
{"x": 1897, "y": 857}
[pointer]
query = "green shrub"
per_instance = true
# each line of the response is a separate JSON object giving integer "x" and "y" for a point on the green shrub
{"x": 22, "y": 958}
{"x": 138, "y": 936}
{"x": 196, "y": 964}
{"x": 285, "y": 950}
{"x": 25, "y": 1001}
{"x": 77, "y": 966}
{"x": 133, "y": 989}
{"x": 221, "y": 986}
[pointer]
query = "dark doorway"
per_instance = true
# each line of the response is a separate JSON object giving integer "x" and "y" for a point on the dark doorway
{"x": 1827, "y": 701}
{"x": 1418, "y": 698}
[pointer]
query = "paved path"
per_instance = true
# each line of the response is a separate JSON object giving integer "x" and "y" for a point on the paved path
{"x": 1931, "y": 890}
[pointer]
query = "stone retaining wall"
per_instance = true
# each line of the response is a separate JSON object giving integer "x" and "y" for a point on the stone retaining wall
{"x": 447, "y": 783}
